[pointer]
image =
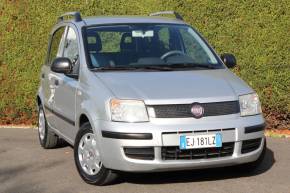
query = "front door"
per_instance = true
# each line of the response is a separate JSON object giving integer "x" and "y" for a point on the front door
{"x": 55, "y": 50}
{"x": 66, "y": 85}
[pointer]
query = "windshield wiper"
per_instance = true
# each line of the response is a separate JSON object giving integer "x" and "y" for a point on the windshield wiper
{"x": 119, "y": 68}
{"x": 115, "y": 68}
{"x": 156, "y": 67}
{"x": 161, "y": 67}
{"x": 192, "y": 65}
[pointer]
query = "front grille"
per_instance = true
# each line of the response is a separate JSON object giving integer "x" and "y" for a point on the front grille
{"x": 142, "y": 153}
{"x": 184, "y": 110}
{"x": 174, "y": 153}
{"x": 251, "y": 145}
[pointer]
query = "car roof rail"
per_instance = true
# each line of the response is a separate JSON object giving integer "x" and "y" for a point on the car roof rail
{"x": 77, "y": 16}
{"x": 177, "y": 15}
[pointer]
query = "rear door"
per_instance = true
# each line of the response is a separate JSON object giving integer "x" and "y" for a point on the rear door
{"x": 66, "y": 85}
{"x": 55, "y": 50}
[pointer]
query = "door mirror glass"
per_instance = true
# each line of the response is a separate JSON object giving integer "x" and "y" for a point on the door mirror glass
{"x": 61, "y": 65}
{"x": 229, "y": 60}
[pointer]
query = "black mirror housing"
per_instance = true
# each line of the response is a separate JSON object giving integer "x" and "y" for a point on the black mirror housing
{"x": 229, "y": 60}
{"x": 61, "y": 65}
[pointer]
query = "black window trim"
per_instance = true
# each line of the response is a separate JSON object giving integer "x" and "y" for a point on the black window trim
{"x": 48, "y": 50}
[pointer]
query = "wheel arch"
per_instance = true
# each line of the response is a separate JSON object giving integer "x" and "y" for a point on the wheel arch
{"x": 38, "y": 102}
{"x": 39, "y": 97}
{"x": 83, "y": 119}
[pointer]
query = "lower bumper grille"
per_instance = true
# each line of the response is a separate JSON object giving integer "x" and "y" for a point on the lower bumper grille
{"x": 142, "y": 153}
{"x": 174, "y": 153}
{"x": 251, "y": 145}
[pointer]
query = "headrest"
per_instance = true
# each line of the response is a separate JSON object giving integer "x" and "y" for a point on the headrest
{"x": 94, "y": 42}
{"x": 127, "y": 42}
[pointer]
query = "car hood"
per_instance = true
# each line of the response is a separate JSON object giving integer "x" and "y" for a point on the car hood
{"x": 175, "y": 87}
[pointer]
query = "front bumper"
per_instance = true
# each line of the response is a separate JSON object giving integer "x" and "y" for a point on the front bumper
{"x": 166, "y": 132}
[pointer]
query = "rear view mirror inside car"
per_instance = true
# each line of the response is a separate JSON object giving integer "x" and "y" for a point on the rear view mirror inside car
{"x": 142, "y": 34}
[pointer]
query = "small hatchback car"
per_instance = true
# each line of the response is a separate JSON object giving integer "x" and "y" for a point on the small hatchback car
{"x": 144, "y": 94}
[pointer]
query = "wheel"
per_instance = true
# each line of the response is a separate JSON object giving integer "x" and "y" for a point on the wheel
{"x": 252, "y": 166}
{"x": 47, "y": 138}
{"x": 88, "y": 159}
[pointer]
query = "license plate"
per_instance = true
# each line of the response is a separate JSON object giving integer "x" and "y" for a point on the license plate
{"x": 200, "y": 141}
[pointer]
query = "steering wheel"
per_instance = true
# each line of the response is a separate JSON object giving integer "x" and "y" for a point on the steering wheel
{"x": 172, "y": 52}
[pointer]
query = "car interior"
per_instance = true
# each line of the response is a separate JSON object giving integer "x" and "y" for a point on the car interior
{"x": 132, "y": 50}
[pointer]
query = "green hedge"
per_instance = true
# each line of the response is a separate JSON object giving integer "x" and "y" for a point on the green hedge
{"x": 257, "y": 32}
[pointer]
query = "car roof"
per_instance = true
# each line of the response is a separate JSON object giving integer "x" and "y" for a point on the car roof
{"x": 103, "y": 20}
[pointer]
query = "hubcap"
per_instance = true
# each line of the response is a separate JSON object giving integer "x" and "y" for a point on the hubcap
{"x": 41, "y": 124}
{"x": 88, "y": 154}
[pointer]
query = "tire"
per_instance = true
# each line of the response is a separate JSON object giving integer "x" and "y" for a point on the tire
{"x": 252, "y": 166}
{"x": 91, "y": 169}
{"x": 47, "y": 138}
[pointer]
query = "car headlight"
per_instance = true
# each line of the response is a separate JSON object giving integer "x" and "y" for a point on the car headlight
{"x": 250, "y": 104}
{"x": 128, "y": 111}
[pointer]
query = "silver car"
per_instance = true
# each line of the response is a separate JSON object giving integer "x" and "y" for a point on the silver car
{"x": 145, "y": 94}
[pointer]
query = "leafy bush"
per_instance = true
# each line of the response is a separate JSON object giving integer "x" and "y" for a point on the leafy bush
{"x": 257, "y": 32}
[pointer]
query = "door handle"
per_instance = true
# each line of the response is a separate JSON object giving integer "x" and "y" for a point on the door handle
{"x": 56, "y": 82}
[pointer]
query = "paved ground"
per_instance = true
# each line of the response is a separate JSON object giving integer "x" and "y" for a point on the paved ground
{"x": 26, "y": 167}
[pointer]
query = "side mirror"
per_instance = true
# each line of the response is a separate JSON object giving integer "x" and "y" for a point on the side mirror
{"x": 229, "y": 60}
{"x": 61, "y": 65}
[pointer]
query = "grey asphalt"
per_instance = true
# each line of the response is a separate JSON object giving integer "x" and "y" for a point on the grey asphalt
{"x": 26, "y": 167}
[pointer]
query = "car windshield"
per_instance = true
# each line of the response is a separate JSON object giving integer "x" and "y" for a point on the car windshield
{"x": 152, "y": 46}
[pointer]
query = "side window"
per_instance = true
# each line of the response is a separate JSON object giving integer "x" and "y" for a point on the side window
{"x": 56, "y": 45}
{"x": 71, "y": 49}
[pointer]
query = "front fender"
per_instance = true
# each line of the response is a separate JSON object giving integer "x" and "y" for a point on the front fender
{"x": 94, "y": 110}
